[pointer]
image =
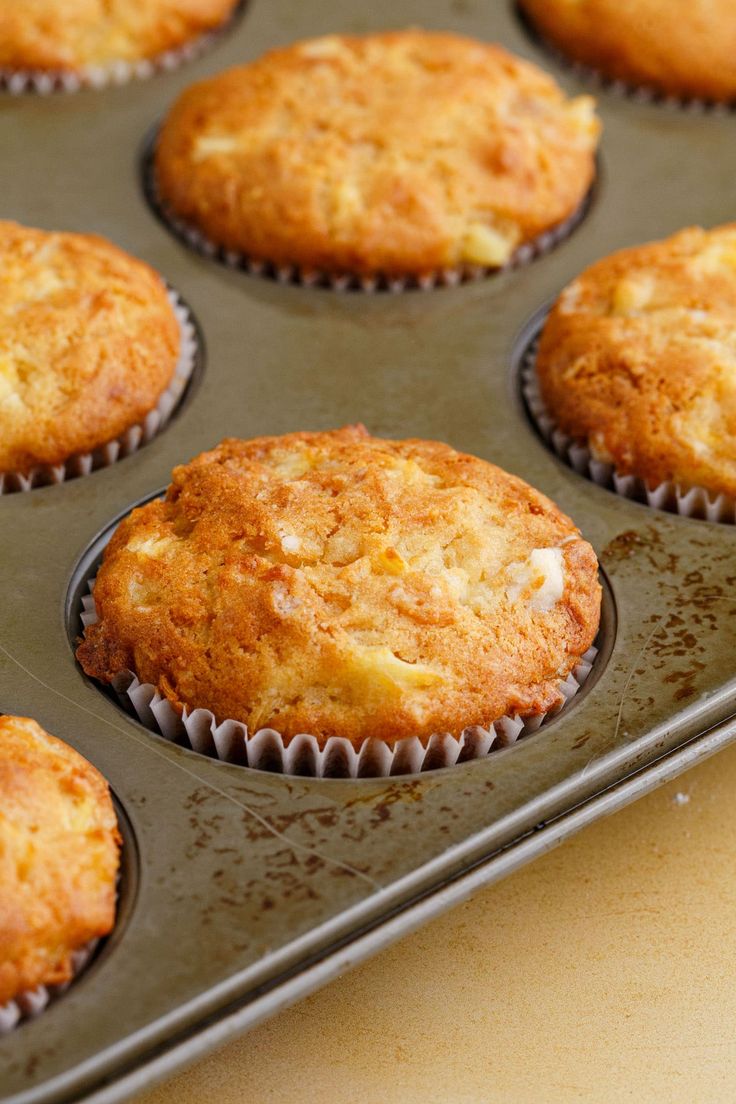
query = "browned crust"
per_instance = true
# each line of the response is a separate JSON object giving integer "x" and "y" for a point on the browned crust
{"x": 59, "y": 853}
{"x": 638, "y": 357}
{"x": 88, "y": 343}
{"x": 390, "y": 153}
{"x": 279, "y": 574}
{"x": 67, "y": 35}
{"x": 678, "y": 47}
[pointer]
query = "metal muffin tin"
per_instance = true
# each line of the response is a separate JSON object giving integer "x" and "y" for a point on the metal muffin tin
{"x": 244, "y": 890}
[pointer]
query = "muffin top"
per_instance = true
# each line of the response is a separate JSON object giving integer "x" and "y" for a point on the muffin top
{"x": 88, "y": 343}
{"x": 59, "y": 849}
{"x": 398, "y": 154}
{"x": 69, "y": 35}
{"x": 342, "y": 585}
{"x": 679, "y": 47}
{"x": 638, "y": 357}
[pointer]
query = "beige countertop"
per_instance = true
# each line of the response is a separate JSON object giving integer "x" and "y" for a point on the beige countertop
{"x": 605, "y": 971}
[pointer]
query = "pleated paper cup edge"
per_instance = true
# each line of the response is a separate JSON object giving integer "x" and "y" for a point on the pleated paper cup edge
{"x": 134, "y": 437}
{"x": 685, "y": 500}
{"x": 31, "y": 1002}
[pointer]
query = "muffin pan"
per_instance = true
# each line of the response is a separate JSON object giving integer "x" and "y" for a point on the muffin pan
{"x": 246, "y": 889}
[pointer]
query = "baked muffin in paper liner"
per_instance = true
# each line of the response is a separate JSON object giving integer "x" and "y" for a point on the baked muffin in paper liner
{"x": 59, "y": 866}
{"x": 631, "y": 379}
{"x": 384, "y": 161}
{"x": 336, "y": 591}
{"x": 672, "y": 58}
{"x": 133, "y": 438}
{"x": 302, "y": 277}
{"x": 337, "y": 757}
{"x": 675, "y": 498}
{"x": 46, "y": 76}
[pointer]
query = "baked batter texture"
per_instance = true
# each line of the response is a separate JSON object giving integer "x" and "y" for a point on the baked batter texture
{"x": 88, "y": 343}
{"x": 678, "y": 47}
{"x": 69, "y": 35}
{"x": 339, "y": 584}
{"x": 638, "y": 358}
{"x": 59, "y": 853}
{"x": 395, "y": 154}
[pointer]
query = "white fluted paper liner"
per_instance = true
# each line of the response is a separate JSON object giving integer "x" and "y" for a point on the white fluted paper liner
{"x": 33, "y": 1001}
{"x": 135, "y": 436}
{"x": 639, "y": 93}
{"x": 294, "y": 274}
{"x": 43, "y": 82}
{"x": 231, "y": 741}
{"x": 675, "y": 498}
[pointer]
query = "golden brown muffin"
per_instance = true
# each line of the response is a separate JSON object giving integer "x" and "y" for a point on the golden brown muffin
{"x": 69, "y": 35}
{"x": 638, "y": 358}
{"x": 88, "y": 343}
{"x": 397, "y": 154}
{"x": 59, "y": 851}
{"x": 678, "y": 47}
{"x": 343, "y": 585}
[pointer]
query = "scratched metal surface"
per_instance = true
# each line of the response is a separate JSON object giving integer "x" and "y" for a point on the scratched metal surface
{"x": 236, "y": 879}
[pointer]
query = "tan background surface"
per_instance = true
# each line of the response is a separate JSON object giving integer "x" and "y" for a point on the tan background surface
{"x": 605, "y": 971}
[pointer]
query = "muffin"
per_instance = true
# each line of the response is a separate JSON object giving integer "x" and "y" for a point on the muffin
{"x": 342, "y": 585}
{"x": 89, "y": 342}
{"x": 637, "y": 360}
{"x": 72, "y": 35}
{"x": 59, "y": 852}
{"x": 397, "y": 155}
{"x": 677, "y": 47}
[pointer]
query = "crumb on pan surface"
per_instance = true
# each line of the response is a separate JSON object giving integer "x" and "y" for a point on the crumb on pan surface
{"x": 59, "y": 852}
{"x": 638, "y": 358}
{"x": 343, "y": 585}
{"x": 679, "y": 47}
{"x": 67, "y": 35}
{"x": 399, "y": 154}
{"x": 88, "y": 343}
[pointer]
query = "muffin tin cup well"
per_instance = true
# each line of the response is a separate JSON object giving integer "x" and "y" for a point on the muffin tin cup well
{"x": 44, "y": 82}
{"x": 293, "y": 274}
{"x": 675, "y": 498}
{"x": 136, "y": 435}
{"x": 599, "y": 81}
{"x": 32, "y": 1002}
{"x": 267, "y": 750}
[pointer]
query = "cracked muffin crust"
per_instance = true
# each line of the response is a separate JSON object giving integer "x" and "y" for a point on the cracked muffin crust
{"x": 59, "y": 853}
{"x": 638, "y": 359}
{"x": 678, "y": 47}
{"x": 88, "y": 343}
{"x": 339, "y": 584}
{"x": 69, "y": 35}
{"x": 393, "y": 154}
